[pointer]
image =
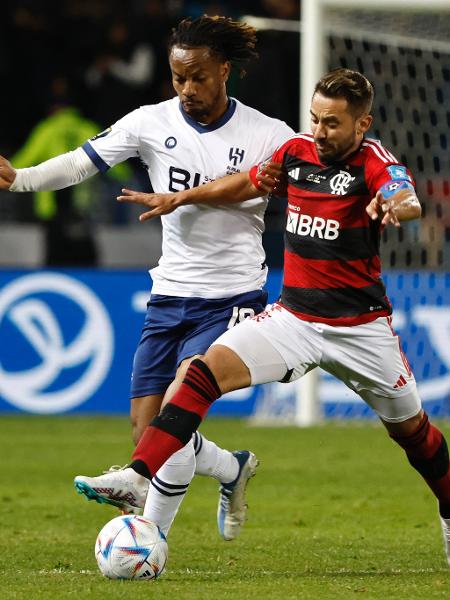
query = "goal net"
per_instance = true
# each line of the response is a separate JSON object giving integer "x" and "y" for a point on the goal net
{"x": 404, "y": 49}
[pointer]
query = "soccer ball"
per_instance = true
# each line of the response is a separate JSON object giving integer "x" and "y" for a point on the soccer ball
{"x": 131, "y": 547}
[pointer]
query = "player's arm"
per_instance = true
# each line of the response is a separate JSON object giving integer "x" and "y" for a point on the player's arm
{"x": 394, "y": 202}
{"x": 230, "y": 189}
{"x": 54, "y": 174}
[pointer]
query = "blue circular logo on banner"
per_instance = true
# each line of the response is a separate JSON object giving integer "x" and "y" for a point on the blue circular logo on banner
{"x": 64, "y": 339}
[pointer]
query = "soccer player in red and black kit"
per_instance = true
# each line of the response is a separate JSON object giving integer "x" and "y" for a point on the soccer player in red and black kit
{"x": 342, "y": 189}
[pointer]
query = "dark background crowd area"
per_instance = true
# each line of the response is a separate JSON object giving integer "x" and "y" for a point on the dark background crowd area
{"x": 71, "y": 68}
{"x": 107, "y": 57}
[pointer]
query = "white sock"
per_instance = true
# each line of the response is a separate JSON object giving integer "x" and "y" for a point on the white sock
{"x": 169, "y": 486}
{"x": 214, "y": 461}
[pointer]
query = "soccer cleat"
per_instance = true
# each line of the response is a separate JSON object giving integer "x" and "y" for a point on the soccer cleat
{"x": 445, "y": 524}
{"x": 232, "y": 507}
{"x": 120, "y": 486}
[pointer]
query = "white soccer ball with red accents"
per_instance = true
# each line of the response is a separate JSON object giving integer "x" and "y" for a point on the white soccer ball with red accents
{"x": 131, "y": 547}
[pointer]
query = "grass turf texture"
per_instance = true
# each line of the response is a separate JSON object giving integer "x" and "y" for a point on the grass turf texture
{"x": 335, "y": 513}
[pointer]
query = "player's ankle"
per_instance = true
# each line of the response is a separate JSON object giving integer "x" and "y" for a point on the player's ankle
{"x": 139, "y": 467}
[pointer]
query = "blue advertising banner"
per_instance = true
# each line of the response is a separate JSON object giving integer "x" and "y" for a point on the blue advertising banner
{"x": 67, "y": 340}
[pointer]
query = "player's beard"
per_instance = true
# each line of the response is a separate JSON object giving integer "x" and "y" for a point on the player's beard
{"x": 334, "y": 154}
{"x": 199, "y": 114}
{"x": 203, "y": 111}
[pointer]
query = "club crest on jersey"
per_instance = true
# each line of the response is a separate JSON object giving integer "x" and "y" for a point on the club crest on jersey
{"x": 340, "y": 182}
{"x": 170, "y": 142}
{"x": 236, "y": 155}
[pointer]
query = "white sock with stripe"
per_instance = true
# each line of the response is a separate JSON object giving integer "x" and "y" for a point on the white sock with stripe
{"x": 169, "y": 486}
{"x": 214, "y": 461}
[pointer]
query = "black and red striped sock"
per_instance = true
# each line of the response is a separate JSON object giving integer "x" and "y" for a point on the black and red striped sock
{"x": 427, "y": 452}
{"x": 173, "y": 427}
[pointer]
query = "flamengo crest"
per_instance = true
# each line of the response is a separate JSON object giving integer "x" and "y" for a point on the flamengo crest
{"x": 340, "y": 182}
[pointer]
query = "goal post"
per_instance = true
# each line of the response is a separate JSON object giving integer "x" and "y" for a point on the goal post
{"x": 403, "y": 47}
{"x": 313, "y": 28}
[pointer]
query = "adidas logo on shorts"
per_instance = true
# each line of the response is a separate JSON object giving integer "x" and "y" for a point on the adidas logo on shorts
{"x": 401, "y": 381}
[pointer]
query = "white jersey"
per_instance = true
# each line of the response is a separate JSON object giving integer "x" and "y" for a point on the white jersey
{"x": 209, "y": 252}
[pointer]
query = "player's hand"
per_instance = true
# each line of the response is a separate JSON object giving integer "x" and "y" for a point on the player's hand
{"x": 384, "y": 209}
{"x": 270, "y": 176}
{"x": 7, "y": 174}
{"x": 159, "y": 204}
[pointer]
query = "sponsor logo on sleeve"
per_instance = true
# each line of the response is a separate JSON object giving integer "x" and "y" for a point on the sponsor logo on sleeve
{"x": 398, "y": 172}
{"x": 102, "y": 134}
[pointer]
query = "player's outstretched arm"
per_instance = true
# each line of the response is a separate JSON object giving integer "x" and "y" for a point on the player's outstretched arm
{"x": 403, "y": 205}
{"x": 7, "y": 174}
{"x": 56, "y": 173}
{"x": 226, "y": 190}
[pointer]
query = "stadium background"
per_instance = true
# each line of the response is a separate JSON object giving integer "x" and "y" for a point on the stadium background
{"x": 73, "y": 281}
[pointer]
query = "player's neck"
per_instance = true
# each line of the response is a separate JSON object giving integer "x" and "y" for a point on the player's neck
{"x": 218, "y": 112}
{"x": 351, "y": 152}
{"x": 215, "y": 119}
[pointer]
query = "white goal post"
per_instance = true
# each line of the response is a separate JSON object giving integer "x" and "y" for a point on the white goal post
{"x": 313, "y": 28}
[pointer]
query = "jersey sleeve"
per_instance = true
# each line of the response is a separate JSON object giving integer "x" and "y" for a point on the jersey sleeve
{"x": 278, "y": 157}
{"x": 279, "y": 136}
{"x": 382, "y": 172}
{"x": 115, "y": 144}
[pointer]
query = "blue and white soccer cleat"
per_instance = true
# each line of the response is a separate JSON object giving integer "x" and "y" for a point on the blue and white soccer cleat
{"x": 232, "y": 507}
{"x": 121, "y": 487}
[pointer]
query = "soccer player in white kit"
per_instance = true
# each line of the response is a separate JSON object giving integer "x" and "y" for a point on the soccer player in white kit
{"x": 212, "y": 269}
{"x": 333, "y": 312}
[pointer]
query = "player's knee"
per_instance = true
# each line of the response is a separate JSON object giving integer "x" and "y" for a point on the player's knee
{"x": 405, "y": 428}
{"x": 426, "y": 449}
{"x": 228, "y": 369}
{"x": 184, "y": 365}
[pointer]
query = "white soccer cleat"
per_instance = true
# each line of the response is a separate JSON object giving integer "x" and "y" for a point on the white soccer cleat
{"x": 121, "y": 487}
{"x": 445, "y": 524}
{"x": 232, "y": 508}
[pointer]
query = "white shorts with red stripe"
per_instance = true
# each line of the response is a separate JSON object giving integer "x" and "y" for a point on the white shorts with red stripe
{"x": 277, "y": 346}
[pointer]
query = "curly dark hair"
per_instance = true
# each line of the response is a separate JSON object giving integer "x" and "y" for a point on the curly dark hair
{"x": 227, "y": 39}
{"x": 348, "y": 84}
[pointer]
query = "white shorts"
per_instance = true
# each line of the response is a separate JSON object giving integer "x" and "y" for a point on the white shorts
{"x": 277, "y": 346}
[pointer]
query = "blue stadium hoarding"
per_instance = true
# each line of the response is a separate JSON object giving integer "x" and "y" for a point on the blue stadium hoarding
{"x": 67, "y": 340}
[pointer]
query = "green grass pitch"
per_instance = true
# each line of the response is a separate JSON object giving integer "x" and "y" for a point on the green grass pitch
{"x": 335, "y": 512}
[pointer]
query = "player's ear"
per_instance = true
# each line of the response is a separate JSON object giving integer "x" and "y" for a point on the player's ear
{"x": 225, "y": 70}
{"x": 363, "y": 123}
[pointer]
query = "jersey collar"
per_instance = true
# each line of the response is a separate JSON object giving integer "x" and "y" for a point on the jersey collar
{"x": 211, "y": 126}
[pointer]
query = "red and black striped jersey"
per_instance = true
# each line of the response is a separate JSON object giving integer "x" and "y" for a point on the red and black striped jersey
{"x": 332, "y": 270}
